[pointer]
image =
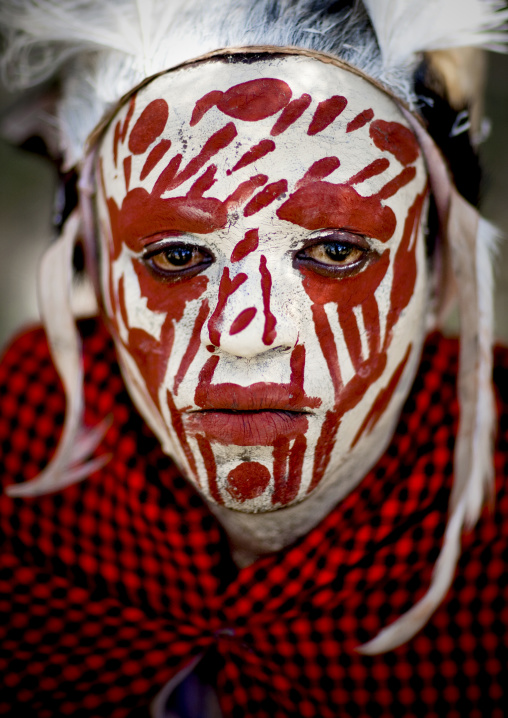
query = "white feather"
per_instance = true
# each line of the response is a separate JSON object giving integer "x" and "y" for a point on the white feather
{"x": 55, "y": 283}
{"x": 407, "y": 27}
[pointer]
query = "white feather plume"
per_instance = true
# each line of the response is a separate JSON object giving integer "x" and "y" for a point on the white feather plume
{"x": 407, "y": 27}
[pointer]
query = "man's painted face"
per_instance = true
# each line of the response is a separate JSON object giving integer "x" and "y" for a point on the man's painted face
{"x": 263, "y": 272}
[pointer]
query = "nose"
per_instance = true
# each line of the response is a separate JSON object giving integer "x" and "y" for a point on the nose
{"x": 249, "y": 318}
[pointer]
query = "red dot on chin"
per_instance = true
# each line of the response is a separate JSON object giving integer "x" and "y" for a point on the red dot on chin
{"x": 248, "y": 480}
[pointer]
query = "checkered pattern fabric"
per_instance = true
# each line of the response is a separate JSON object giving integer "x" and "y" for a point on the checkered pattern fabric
{"x": 110, "y": 587}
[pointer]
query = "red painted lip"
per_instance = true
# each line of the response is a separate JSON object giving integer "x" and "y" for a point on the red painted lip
{"x": 261, "y": 396}
{"x": 247, "y": 428}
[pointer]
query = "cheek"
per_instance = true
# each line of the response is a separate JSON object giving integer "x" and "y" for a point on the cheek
{"x": 366, "y": 317}
{"x": 146, "y": 325}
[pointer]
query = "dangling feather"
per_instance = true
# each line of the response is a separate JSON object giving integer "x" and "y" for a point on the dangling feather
{"x": 76, "y": 444}
{"x": 471, "y": 242}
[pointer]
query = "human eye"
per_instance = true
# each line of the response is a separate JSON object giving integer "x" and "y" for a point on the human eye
{"x": 168, "y": 259}
{"x": 335, "y": 253}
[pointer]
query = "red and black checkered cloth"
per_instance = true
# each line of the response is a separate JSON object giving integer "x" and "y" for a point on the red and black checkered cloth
{"x": 110, "y": 587}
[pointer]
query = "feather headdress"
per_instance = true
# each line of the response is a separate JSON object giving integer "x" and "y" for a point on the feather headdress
{"x": 104, "y": 48}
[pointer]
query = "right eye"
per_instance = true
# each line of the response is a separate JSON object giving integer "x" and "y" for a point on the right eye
{"x": 177, "y": 260}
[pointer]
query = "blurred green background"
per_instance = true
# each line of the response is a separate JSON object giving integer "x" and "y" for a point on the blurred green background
{"x": 27, "y": 186}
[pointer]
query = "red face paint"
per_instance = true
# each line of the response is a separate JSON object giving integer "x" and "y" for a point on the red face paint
{"x": 327, "y": 111}
{"x": 248, "y": 481}
{"x": 256, "y": 189}
{"x": 149, "y": 126}
{"x": 247, "y": 245}
{"x": 255, "y": 153}
{"x": 291, "y": 114}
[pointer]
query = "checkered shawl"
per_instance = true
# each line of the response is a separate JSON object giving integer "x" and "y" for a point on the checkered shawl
{"x": 110, "y": 587}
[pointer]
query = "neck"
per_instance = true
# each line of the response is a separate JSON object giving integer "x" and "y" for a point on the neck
{"x": 253, "y": 535}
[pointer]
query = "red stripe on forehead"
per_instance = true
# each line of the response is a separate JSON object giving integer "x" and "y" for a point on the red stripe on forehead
{"x": 128, "y": 118}
{"x": 267, "y": 195}
{"x": 127, "y": 166}
{"x": 405, "y": 177}
{"x": 154, "y": 157}
{"x": 319, "y": 170}
{"x": 217, "y": 142}
{"x": 360, "y": 120}
{"x": 395, "y": 138}
{"x": 375, "y": 168}
{"x": 291, "y": 114}
{"x": 255, "y": 153}
{"x": 326, "y": 112}
{"x": 322, "y": 204}
{"x": 249, "y": 101}
{"x": 149, "y": 125}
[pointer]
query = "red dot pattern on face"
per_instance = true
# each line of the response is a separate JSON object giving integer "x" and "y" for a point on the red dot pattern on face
{"x": 248, "y": 480}
{"x": 255, "y": 153}
{"x": 291, "y": 114}
{"x": 395, "y": 138}
{"x": 249, "y": 101}
{"x": 326, "y": 112}
{"x": 246, "y": 245}
{"x": 149, "y": 126}
{"x": 360, "y": 120}
{"x": 265, "y": 197}
{"x": 226, "y": 288}
{"x": 154, "y": 157}
{"x": 243, "y": 320}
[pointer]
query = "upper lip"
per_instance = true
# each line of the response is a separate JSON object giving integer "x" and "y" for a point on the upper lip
{"x": 262, "y": 396}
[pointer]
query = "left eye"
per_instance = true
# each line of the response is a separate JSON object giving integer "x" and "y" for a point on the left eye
{"x": 336, "y": 255}
{"x": 177, "y": 260}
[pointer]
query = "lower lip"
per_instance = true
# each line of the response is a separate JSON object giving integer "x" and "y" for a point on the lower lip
{"x": 247, "y": 428}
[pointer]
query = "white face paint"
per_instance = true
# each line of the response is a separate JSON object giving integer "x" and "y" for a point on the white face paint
{"x": 264, "y": 272}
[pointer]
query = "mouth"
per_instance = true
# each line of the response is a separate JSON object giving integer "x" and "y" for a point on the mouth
{"x": 247, "y": 427}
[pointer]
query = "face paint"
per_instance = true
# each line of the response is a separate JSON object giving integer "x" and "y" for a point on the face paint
{"x": 263, "y": 272}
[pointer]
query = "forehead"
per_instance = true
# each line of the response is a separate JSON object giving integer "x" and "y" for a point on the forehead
{"x": 289, "y": 111}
